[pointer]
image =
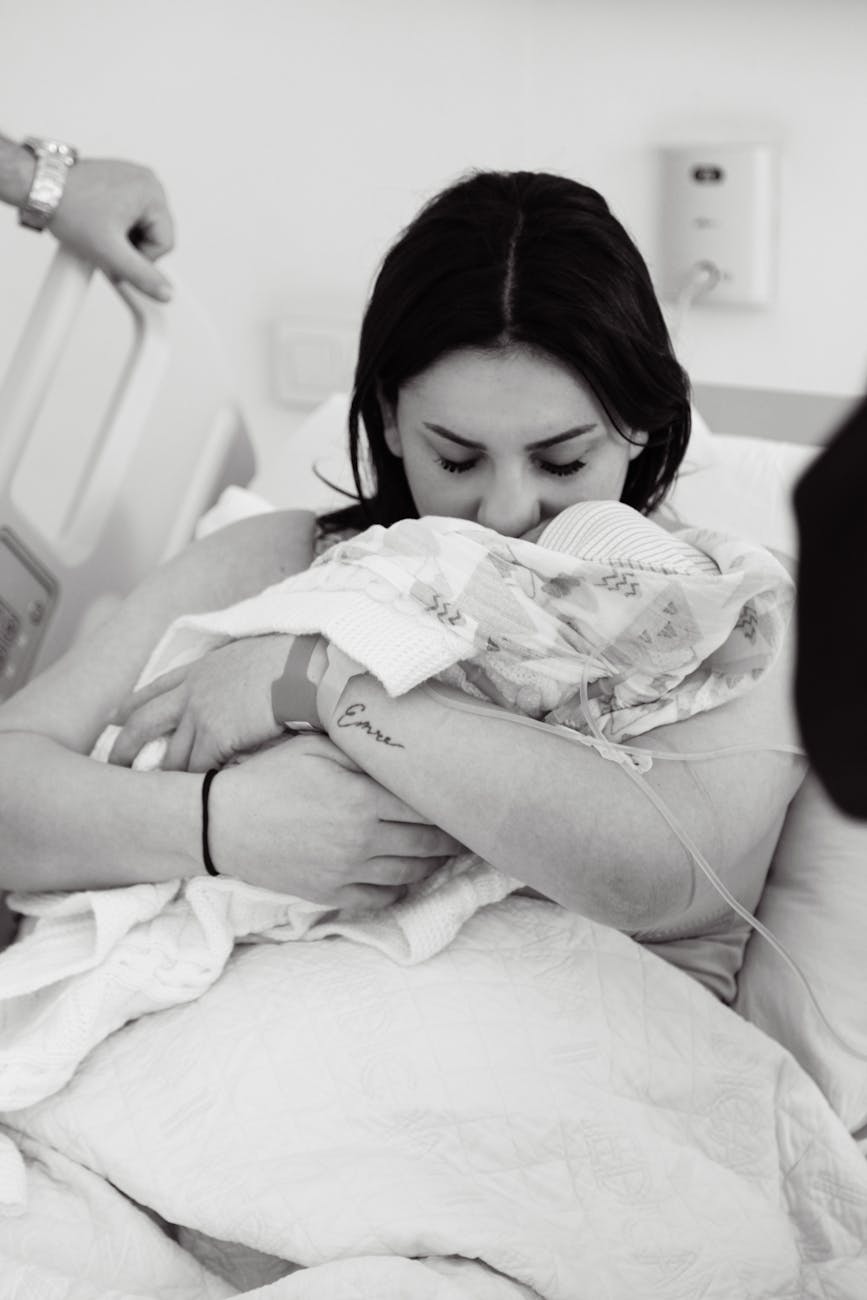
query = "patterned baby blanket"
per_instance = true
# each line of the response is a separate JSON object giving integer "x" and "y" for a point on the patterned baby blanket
{"x": 660, "y": 625}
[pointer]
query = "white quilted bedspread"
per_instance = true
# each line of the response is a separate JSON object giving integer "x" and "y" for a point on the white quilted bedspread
{"x": 544, "y": 1109}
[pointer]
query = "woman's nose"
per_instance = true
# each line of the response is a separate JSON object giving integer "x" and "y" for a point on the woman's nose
{"x": 509, "y": 507}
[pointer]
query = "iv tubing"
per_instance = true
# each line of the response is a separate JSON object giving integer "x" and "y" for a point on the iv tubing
{"x": 618, "y": 753}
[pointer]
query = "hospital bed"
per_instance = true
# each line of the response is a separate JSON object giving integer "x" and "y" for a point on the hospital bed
{"x": 446, "y": 1137}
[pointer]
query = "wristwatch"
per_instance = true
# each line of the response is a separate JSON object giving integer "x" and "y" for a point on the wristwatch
{"x": 53, "y": 161}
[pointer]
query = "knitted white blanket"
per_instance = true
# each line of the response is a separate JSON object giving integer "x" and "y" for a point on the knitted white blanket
{"x": 660, "y": 626}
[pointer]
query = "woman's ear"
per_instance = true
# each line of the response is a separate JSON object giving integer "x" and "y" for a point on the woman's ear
{"x": 390, "y": 431}
{"x": 637, "y": 442}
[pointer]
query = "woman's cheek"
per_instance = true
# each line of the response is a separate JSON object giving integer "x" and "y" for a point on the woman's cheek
{"x": 433, "y": 490}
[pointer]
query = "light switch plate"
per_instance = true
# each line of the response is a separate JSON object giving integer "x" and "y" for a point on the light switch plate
{"x": 311, "y": 360}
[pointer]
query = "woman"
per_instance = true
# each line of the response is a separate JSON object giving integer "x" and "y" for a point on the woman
{"x": 513, "y": 361}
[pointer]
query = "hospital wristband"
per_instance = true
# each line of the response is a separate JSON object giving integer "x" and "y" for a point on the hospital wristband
{"x": 339, "y": 670}
{"x": 293, "y": 693}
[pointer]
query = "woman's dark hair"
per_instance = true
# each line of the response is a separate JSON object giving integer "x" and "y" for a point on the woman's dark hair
{"x": 508, "y": 259}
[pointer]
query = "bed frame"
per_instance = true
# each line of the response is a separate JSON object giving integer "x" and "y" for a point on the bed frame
{"x": 808, "y": 418}
{"x": 80, "y": 525}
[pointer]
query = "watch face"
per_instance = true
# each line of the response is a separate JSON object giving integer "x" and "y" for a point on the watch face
{"x": 64, "y": 151}
{"x": 51, "y": 149}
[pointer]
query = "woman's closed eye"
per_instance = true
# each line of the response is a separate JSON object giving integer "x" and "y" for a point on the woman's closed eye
{"x": 456, "y": 466}
{"x": 546, "y": 466}
{"x": 560, "y": 471}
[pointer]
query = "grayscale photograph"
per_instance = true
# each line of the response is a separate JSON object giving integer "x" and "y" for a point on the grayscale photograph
{"x": 433, "y": 651}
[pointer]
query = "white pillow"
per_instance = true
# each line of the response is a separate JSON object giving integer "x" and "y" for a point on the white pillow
{"x": 744, "y": 486}
{"x": 815, "y": 904}
{"x": 319, "y": 443}
{"x": 815, "y": 901}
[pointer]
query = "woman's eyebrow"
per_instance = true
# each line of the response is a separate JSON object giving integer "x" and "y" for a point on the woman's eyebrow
{"x": 578, "y": 431}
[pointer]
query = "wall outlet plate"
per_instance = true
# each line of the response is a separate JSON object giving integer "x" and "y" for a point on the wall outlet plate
{"x": 311, "y": 359}
{"x": 719, "y": 208}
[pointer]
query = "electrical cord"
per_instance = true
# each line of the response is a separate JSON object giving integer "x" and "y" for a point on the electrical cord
{"x": 701, "y": 279}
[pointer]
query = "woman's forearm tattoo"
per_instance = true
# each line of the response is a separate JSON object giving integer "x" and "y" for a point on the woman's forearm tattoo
{"x": 352, "y": 717}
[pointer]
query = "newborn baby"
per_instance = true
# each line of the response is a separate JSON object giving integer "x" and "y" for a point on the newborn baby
{"x": 601, "y": 610}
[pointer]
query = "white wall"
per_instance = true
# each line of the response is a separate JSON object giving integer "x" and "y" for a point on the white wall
{"x": 296, "y": 136}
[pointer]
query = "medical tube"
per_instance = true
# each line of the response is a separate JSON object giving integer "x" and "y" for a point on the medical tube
{"x": 635, "y": 761}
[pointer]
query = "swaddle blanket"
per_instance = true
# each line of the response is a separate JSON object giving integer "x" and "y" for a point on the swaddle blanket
{"x": 661, "y": 626}
{"x": 546, "y": 1108}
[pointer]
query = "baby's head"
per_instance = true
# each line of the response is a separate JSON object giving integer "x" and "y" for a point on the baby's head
{"x": 613, "y": 533}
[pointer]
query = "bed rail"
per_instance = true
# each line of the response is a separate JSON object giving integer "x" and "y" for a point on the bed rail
{"x": 172, "y": 436}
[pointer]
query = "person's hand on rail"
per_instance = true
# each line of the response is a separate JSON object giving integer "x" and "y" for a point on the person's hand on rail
{"x": 116, "y": 215}
{"x": 111, "y": 212}
{"x": 209, "y": 710}
{"x": 301, "y": 818}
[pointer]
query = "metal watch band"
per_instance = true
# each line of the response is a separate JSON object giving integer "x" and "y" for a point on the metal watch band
{"x": 293, "y": 695}
{"x": 53, "y": 161}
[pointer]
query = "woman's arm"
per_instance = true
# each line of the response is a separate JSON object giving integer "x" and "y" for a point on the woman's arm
{"x": 565, "y": 820}
{"x": 16, "y": 170}
{"x": 556, "y": 815}
{"x": 71, "y": 701}
{"x": 69, "y": 822}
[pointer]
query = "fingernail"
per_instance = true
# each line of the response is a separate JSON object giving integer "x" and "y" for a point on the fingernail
{"x": 165, "y": 292}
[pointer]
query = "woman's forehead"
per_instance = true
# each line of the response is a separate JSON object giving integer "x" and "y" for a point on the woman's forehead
{"x": 480, "y": 393}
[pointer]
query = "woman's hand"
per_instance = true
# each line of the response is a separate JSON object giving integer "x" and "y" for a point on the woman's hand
{"x": 300, "y": 818}
{"x": 211, "y": 709}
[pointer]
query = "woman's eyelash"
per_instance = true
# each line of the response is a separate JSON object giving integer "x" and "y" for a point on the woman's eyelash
{"x": 547, "y": 467}
{"x": 561, "y": 471}
{"x": 455, "y": 466}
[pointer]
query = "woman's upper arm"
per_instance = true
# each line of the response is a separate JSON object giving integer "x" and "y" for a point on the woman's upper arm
{"x": 733, "y": 803}
{"x": 72, "y": 700}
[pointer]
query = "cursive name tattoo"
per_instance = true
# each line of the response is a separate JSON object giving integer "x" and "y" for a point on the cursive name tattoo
{"x": 351, "y": 717}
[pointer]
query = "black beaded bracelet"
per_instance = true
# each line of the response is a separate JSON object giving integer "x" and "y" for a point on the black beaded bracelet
{"x": 206, "y": 848}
